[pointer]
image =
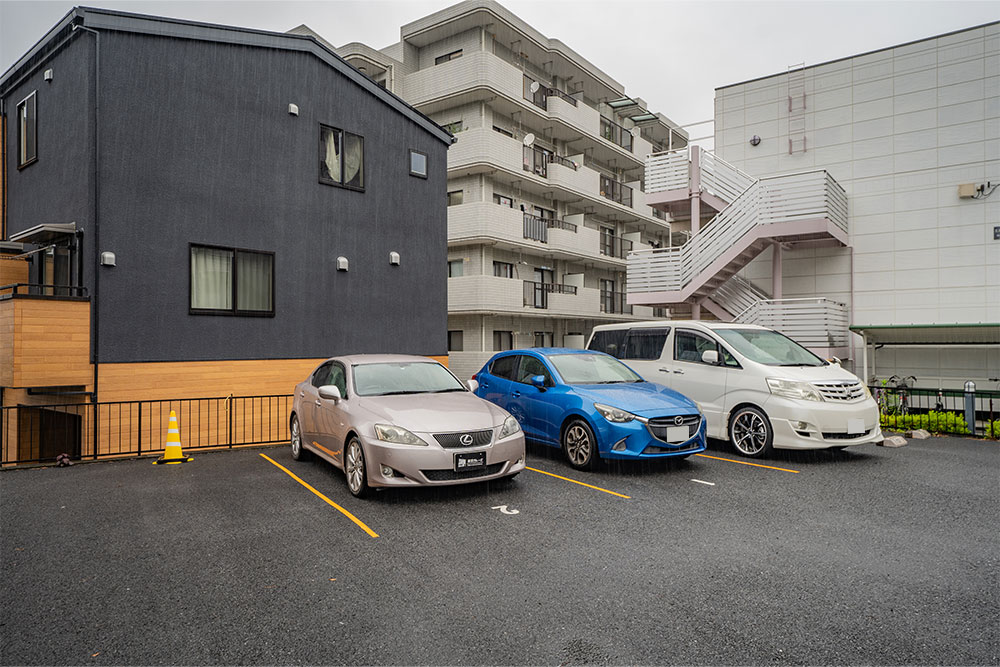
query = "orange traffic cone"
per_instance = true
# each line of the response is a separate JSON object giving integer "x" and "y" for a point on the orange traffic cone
{"x": 172, "y": 450}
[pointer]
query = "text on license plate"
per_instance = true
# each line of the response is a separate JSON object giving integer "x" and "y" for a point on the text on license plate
{"x": 466, "y": 461}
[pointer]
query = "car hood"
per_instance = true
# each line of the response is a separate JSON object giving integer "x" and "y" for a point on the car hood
{"x": 645, "y": 399}
{"x": 830, "y": 373}
{"x": 435, "y": 413}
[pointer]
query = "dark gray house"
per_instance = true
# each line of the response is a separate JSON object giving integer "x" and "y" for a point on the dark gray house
{"x": 207, "y": 210}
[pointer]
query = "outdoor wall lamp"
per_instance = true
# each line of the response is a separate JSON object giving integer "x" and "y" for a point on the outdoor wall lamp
{"x": 108, "y": 258}
{"x": 394, "y": 258}
{"x": 342, "y": 263}
{"x": 293, "y": 109}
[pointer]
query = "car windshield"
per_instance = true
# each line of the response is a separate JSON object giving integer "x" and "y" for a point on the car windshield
{"x": 769, "y": 347}
{"x": 592, "y": 369}
{"x": 403, "y": 377}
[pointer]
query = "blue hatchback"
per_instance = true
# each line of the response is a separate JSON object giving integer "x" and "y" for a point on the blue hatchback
{"x": 591, "y": 405}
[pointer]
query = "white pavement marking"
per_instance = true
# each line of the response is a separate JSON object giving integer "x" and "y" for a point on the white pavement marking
{"x": 701, "y": 482}
{"x": 503, "y": 508}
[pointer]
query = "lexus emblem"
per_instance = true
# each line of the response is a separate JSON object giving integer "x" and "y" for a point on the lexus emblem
{"x": 465, "y": 439}
{"x": 678, "y": 420}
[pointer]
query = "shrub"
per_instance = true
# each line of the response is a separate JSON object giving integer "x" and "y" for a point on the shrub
{"x": 933, "y": 421}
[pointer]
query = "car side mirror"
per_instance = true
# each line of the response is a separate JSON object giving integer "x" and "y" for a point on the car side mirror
{"x": 710, "y": 357}
{"x": 473, "y": 385}
{"x": 538, "y": 381}
{"x": 330, "y": 392}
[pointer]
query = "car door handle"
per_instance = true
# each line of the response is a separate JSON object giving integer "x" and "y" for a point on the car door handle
{"x": 678, "y": 371}
{"x": 302, "y": 394}
{"x": 516, "y": 394}
{"x": 318, "y": 402}
{"x": 664, "y": 370}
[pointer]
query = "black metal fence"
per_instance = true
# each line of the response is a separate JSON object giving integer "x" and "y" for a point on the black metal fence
{"x": 944, "y": 411}
{"x": 85, "y": 431}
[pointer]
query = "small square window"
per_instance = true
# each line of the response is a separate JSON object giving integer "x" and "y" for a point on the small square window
{"x": 503, "y": 201}
{"x": 418, "y": 164}
{"x": 455, "y": 341}
{"x": 455, "y": 197}
{"x": 454, "y": 128}
{"x": 456, "y": 268}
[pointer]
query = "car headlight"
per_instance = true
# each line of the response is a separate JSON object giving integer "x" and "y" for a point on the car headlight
{"x": 794, "y": 389}
{"x": 616, "y": 415}
{"x": 868, "y": 392}
{"x": 397, "y": 435}
{"x": 509, "y": 428}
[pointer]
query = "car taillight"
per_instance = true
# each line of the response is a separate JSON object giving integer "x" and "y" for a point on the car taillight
{"x": 473, "y": 376}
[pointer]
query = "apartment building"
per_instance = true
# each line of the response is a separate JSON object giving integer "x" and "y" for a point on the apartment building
{"x": 868, "y": 186}
{"x": 545, "y": 182}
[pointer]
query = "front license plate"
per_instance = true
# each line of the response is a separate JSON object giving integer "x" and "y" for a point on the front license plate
{"x": 677, "y": 433}
{"x": 466, "y": 461}
{"x": 855, "y": 426}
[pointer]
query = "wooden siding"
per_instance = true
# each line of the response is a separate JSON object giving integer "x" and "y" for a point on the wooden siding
{"x": 201, "y": 379}
{"x": 13, "y": 271}
{"x": 44, "y": 342}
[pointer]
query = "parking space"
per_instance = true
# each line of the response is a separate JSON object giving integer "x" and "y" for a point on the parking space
{"x": 869, "y": 555}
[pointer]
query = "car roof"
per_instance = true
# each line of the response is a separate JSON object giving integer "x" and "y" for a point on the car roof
{"x": 361, "y": 359}
{"x": 659, "y": 324}
{"x": 547, "y": 351}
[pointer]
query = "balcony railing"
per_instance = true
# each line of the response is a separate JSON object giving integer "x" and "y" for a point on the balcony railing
{"x": 537, "y": 229}
{"x": 615, "y": 191}
{"x": 537, "y": 97}
{"x": 616, "y": 134}
{"x": 810, "y": 322}
{"x": 615, "y": 246}
{"x": 40, "y": 290}
{"x": 536, "y": 294}
{"x": 614, "y": 302}
{"x": 537, "y": 160}
{"x": 555, "y": 92}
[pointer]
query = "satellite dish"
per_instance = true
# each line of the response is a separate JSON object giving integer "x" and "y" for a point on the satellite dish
{"x": 529, "y": 139}
{"x": 534, "y": 87}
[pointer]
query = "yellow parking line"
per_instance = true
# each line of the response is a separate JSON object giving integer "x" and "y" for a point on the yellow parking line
{"x": 330, "y": 502}
{"x": 589, "y": 486}
{"x": 756, "y": 465}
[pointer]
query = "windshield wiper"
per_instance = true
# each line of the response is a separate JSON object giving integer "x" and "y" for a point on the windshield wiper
{"x": 443, "y": 391}
{"x": 798, "y": 364}
{"x": 399, "y": 393}
{"x": 611, "y": 382}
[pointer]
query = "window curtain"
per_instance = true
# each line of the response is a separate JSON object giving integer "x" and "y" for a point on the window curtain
{"x": 329, "y": 166}
{"x": 253, "y": 287}
{"x": 211, "y": 278}
{"x": 354, "y": 154}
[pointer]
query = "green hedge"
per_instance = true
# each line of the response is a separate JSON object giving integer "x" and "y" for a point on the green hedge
{"x": 933, "y": 421}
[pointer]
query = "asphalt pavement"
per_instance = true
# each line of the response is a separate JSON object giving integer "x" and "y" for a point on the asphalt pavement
{"x": 868, "y": 556}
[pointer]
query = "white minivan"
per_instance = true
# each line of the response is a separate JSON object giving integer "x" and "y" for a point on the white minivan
{"x": 756, "y": 387}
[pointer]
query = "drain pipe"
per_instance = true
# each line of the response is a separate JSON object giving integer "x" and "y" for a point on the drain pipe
{"x": 95, "y": 316}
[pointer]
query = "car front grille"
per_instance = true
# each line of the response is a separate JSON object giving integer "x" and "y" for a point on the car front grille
{"x": 450, "y": 475}
{"x": 454, "y": 440}
{"x": 658, "y": 426}
{"x": 653, "y": 449}
{"x": 847, "y": 390}
{"x": 846, "y": 436}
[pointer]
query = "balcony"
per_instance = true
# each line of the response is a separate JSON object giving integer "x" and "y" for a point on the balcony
{"x": 616, "y": 134}
{"x": 615, "y": 191}
{"x": 536, "y": 294}
{"x": 484, "y": 294}
{"x": 614, "y": 303}
{"x": 615, "y": 246}
{"x": 44, "y": 336}
{"x": 471, "y": 71}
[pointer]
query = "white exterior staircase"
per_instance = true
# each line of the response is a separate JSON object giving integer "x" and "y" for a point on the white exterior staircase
{"x": 753, "y": 214}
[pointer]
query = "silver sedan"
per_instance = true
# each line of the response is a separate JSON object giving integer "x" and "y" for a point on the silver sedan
{"x": 398, "y": 420}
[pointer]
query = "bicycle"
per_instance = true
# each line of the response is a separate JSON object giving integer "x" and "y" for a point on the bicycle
{"x": 902, "y": 393}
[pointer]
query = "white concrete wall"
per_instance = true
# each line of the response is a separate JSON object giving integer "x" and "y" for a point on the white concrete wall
{"x": 900, "y": 129}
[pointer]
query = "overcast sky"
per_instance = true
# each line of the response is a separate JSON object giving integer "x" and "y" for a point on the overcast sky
{"x": 672, "y": 54}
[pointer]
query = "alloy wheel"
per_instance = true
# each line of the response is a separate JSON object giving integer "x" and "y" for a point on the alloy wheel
{"x": 578, "y": 445}
{"x": 749, "y": 433}
{"x": 354, "y": 467}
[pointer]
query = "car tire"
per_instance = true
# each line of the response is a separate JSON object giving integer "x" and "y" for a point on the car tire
{"x": 580, "y": 445}
{"x": 750, "y": 432}
{"x": 355, "y": 468}
{"x": 299, "y": 453}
